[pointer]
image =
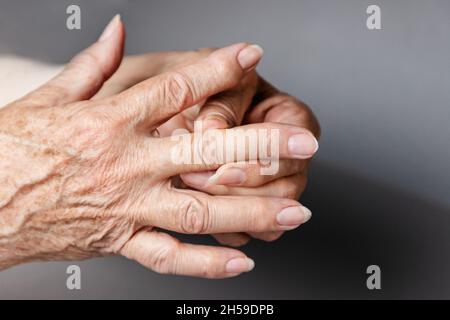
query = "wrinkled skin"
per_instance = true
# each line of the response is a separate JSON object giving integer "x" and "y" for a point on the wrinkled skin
{"x": 83, "y": 177}
{"x": 254, "y": 100}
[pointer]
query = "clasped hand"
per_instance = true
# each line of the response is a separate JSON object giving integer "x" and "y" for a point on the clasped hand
{"x": 86, "y": 166}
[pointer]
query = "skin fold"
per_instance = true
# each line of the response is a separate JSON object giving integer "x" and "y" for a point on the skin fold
{"x": 85, "y": 168}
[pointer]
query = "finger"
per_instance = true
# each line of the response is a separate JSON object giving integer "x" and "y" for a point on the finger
{"x": 244, "y": 174}
{"x": 288, "y": 187}
{"x": 267, "y": 236}
{"x": 132, "y": 70}
{"x": 137, "y": 68}
{"x": 232, "y": 239}
{"x": 282, "y": 108}
{"x": 159, "y": 98}
{"x": 279, "y": 188}
{"x": 227, "y": 109}
{"x": 87, "y": 71}
{"x": 265, "y": 90}
{"x": 164, "y": 254}
{"x": 192, "y": 212}
{"x": 208, "y": 150}
{"x": 228, "y": 239}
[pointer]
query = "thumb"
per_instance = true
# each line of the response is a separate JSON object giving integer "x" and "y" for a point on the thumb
{"x": 88, "y": 70}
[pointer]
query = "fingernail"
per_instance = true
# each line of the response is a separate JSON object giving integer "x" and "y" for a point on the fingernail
{"x": 239, "y": 265}
{"x": 110, "y": 28}
{"x": 250, "y": 56}
{"x": 215, "y": 122}
{"x": 230, "y": 176}
{"x": 197, "y": 179}
{"x": 303, "y": 145}
{"x": 293, "y": 216}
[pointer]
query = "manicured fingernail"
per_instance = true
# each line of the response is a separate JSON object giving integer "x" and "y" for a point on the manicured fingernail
{"x": 250, "y": 56}
{"x": 230, "y": 176}
{"x": 197, "y": 179}
{"x": 293, "y": 216}
{"x": 110, "y": 28}
{"x": 239, "y": 265}
{"x": 302, "y": 145}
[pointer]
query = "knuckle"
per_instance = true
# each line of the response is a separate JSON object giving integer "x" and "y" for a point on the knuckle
{"x": 287, "y": 99}
{"x": 210, "y": 152}
{"x": 303, "y": 111}
{"x": 177, "y": 90}
{"x": 224, "y": 106}
{"x": 295, "y": 106}
{"x": 194, "y": 217}
{"x": 164, "y": 259}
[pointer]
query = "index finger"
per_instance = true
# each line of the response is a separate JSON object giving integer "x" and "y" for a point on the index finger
{"x": 157, "y": 99}
{"x": 207, "y": 150}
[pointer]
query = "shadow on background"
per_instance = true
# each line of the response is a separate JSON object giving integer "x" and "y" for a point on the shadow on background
{"x": 355, "y": 223}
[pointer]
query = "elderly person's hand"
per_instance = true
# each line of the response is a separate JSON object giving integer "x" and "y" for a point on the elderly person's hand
{"x": 252, "y": 101}
{"x": 81, "y": 178}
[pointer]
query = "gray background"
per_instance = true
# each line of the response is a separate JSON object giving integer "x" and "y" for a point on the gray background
{"x": 379, "y": 189}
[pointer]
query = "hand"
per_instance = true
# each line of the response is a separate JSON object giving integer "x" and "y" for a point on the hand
{"x": 135, "y": 69}
{"x": 253, "y": 97}
{"x": 269, "y": 106}
{"x": 82, "y": 178}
